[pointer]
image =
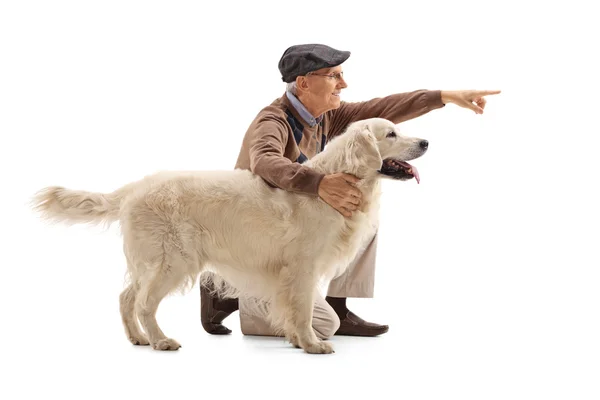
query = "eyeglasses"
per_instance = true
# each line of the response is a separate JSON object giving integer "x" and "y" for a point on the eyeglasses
{"x": 338, "y": 76}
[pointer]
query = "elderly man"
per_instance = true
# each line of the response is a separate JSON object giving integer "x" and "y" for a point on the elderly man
{"x": 293, "y": 129}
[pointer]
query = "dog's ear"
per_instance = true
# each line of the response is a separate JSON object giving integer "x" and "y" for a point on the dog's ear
{"x": 365, "y": 149}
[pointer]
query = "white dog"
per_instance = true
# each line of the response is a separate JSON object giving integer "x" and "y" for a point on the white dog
{"x": 265, "y": 242}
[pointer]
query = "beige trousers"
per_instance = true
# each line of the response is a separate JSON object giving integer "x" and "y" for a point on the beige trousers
{"x": 357, "y": 281}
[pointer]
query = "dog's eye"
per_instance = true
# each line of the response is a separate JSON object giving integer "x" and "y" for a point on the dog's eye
{"x": 391, "y": 134}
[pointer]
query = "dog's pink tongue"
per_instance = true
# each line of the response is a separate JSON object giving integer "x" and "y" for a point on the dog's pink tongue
{"x": 411, "y": 169}
{"x": 414, "y": 171}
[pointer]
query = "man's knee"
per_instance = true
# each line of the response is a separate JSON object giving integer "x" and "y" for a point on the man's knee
{"x": 327, "y": 326}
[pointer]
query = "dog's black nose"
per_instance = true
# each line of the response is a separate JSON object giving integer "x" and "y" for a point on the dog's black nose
{"x": 424, "y": 144}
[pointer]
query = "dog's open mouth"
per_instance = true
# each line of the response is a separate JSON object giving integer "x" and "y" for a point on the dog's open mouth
{"x": 399, "y": 169}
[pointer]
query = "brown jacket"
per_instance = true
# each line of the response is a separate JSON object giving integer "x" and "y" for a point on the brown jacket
{"x": 278, "y": 141}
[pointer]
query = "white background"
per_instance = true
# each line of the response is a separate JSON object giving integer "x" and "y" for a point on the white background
{"x": 488, "y": 271}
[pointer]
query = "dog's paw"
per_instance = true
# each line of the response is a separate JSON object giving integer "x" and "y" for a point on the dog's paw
{"x": 139, "y": 341}
{"x": 293, "y": 339}
{"x": 166, "y": 344}
{"x": 319, "y": 347}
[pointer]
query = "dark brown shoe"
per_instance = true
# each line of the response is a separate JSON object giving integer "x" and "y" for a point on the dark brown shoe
{"x": 353, "y": 325}
{"x": 213, "y": 310}
{"x": 350, "y": 323}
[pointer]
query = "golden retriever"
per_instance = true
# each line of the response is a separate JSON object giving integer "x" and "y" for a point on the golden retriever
{"x": 257, "y": 240}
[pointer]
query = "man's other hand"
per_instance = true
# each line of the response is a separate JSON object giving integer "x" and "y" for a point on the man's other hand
{"x": 339, "y": 192}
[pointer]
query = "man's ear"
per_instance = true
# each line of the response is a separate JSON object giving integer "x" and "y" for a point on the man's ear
{"x": 301, "y": 83}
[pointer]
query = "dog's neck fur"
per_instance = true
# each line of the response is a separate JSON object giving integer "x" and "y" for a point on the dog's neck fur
{"x": 332, "y": 161}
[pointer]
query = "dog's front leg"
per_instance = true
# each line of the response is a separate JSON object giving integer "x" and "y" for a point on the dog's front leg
{"x": 299, "y": 315}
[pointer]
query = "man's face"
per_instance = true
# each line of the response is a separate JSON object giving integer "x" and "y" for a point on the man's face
{"x": 324, "y": 87}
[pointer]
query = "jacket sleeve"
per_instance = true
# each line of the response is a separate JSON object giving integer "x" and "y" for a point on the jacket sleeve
{"x": 267, "y": 160}
{"x": 396, "y": 108}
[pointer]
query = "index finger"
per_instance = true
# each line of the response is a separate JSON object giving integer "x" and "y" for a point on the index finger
{"x": 486, "y": 92}
{"x": 351, "y": 178}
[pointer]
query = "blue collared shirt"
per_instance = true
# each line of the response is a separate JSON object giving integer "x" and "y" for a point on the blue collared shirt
{"x": 304, "y": 113}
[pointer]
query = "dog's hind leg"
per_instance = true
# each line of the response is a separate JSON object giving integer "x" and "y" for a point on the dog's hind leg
{"x": 130, "y": 323}
{"x": 152, "y": 290}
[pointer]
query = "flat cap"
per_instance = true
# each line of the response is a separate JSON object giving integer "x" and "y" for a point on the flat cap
{"x": 301, "y": 59}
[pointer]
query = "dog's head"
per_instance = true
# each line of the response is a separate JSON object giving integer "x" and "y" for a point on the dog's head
{"x": 378, "y": 145}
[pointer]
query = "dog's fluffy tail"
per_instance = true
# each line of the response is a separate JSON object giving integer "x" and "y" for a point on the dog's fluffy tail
{"x": 58, "y": 204}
